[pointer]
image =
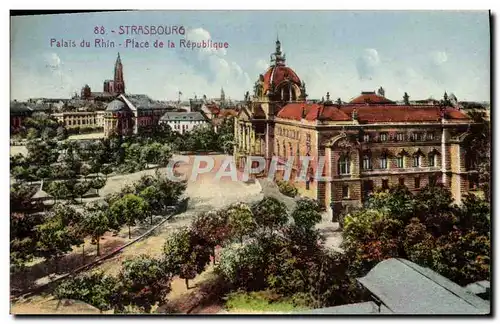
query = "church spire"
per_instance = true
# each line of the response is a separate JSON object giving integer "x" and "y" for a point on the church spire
{"x": 119, "y": 82}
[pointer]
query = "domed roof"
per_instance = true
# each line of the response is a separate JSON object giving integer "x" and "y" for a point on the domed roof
{"x": 370, "y": 97}
{"x": 276, "y": 74}
{"x": 115, "y": 105}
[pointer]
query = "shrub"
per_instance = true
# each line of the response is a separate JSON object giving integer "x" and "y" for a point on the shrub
{"x": 287, "y": 189}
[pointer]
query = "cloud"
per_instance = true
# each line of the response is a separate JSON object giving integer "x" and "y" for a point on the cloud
{"x": 367, "y": 64}
{"x": 262, "y": 65}
{"x": 439, "y": 57}
{"x": 212, "y": 65}
{"x": 53, "y": 61}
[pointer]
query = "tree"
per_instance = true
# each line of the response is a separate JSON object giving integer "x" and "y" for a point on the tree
{"x": 61, "y": 133}
{"x": 153, "y": 197}
{"x": 106, "y": 170}
{"x": 307, "y": 213}
{"x": 81, "y": 189}
{"x": 241, "y": 220}
{"x": 58, "y": 190}
{"x": 184, "y": 255}
{"x": 212, "y": 227}
{"x": 96, "y": 222}
{"x": 270, "y": 213}
{"x": 32, "y": 134}
{"x": 146, "y": 282}
{"x": 95, "y": 288}
{"x": 55, "y": 239}
{"x": 452, "y": 240}
{"x": 131, "y": 209}
{"x": 97, "y": 183}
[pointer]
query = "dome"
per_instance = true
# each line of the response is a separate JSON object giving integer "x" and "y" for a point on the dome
{"x": 370, "y": 97}
{"x": 115, "y": 105}
{"x": 277, "y": 74}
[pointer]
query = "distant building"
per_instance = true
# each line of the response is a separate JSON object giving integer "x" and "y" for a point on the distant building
{"x": 183, "y": 122}
{"x": 19, "y": 111}
{"x": 73, "y": 119}
{"x": 111, "y": 88}
{"x": 132, "y": 114}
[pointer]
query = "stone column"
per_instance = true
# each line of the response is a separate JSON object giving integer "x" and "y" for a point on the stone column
{"x": 329, "y": 183}
{"x": 444, "y": 155}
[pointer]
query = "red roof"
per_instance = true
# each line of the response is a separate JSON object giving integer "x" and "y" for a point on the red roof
{"x": 369, "y": 113}
{"x": 214, "y": 109}
{"x": 370, "y": 98}
{"x": 228, "y": 113}
{"x": 277, "y": 74}
{"x": 397, "y": 113}
{"x": 295, "y": 111}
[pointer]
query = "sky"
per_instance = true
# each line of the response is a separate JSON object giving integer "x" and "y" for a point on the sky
{"x": 423, "y": 53}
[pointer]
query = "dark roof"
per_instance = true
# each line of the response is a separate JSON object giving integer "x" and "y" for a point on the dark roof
{"x": 16, "y": 106}
{"x": 180, "y": 116}
{"x": 115, "y": 105}
{"x": 407, "y": 288}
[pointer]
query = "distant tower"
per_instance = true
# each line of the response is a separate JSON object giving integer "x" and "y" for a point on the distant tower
{"x": 119, "y": 82}
{"x": 222, "y": 95}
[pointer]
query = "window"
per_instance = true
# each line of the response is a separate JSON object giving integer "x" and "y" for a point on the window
{"x": 367, "y": 164}
{"x": 400, "y": 161}
{"x": 383, "y": 162}
{"x": 416, "y": 161}
{"x": 401, "y": 181}
{"x": 430, "y": 136}
{"x": 278, "y": 146}
{"x": 432, "y": 160}
{"x": 417, "y": 182}
{"x": 307, "y": 184}
{"x": 291, "y": 149}
{"x": 400, "y": 137}
{"x": 345, "y": 191}
{"x": 414, "y": 136}
{"x": 366, "y": 138}
{"x": 385, "y": 184}
{"x": 344, "y": 165}
{"x": 383, "y": 137}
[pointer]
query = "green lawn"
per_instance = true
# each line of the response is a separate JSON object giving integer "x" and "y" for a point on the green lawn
{"x": 256, "y": 302}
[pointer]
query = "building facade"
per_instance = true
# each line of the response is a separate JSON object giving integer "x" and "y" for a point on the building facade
{"x": 73, "y": 119}
{"x": 368, "y": 143}
{"x": 183, "y": 122}
{"x": 132, "y": 114}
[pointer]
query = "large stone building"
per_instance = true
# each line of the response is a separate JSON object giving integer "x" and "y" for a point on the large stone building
{"x": 132, "y": 114}
{"x": 367, "y": 143}
{"x": 80, "y": 119}
{"x": 183, "y": 122}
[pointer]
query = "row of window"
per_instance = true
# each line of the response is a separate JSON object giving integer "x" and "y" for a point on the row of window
{"x": 400, "y": 137}
{"x": 368, "y": 185}
{"x": 344, "y": 163}
{"x": 289, "y": 133}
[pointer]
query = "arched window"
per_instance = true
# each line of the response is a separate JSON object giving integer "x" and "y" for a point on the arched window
{"x": 344, "y": 164}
